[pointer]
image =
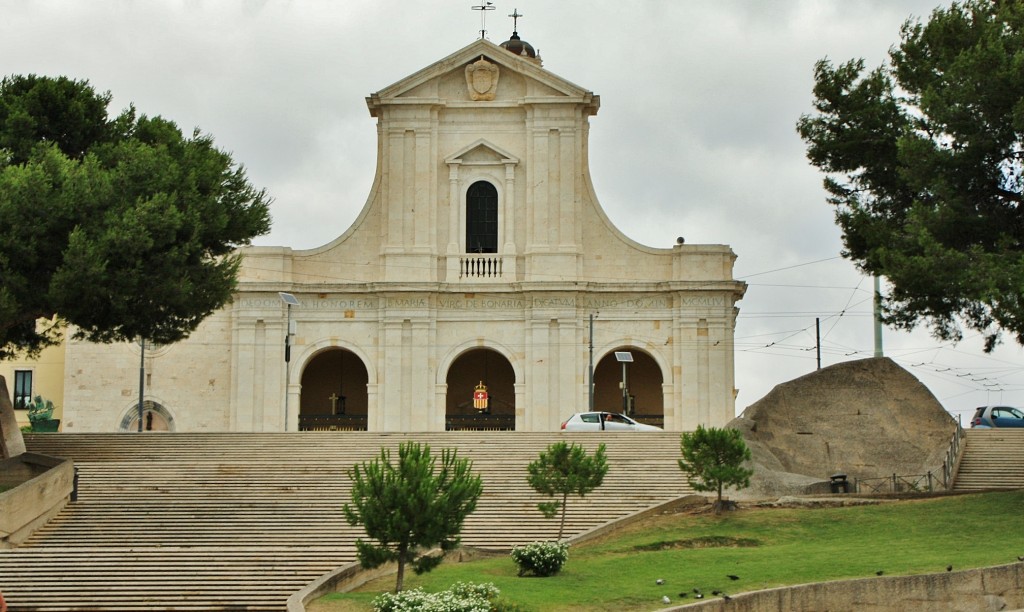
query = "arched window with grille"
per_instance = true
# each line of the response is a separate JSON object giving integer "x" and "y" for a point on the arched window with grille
{"x": 482, "y": 218}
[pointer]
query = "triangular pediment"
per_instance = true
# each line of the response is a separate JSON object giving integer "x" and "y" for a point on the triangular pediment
{"x": 481, "y": 153}
{"x": 445, "y": 81}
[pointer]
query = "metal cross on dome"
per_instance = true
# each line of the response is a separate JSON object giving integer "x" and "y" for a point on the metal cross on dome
{"x": 483, "y": 8}
{"x": 515, "y": 19}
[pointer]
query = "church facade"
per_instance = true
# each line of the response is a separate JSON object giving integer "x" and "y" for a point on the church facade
{"x": 481, "y": 287}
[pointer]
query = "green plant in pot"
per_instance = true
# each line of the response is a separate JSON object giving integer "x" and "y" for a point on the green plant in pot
{"x": 40, "y": 414}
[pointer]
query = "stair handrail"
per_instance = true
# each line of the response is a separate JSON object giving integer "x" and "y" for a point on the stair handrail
{"x": 952, "y": 457}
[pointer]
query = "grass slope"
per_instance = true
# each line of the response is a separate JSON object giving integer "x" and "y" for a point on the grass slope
{"x": 764, "y": 547}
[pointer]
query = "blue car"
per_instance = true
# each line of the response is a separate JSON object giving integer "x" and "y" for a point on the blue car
{"x": 997, "y": 416}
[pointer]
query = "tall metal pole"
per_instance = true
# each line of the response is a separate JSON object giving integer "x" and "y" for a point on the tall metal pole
{"x": 590, "y": 384}
{"x": 142, "y": 378}
{"x": 817, "y": 342}
{"x": 287, "y": 360}
{"x": 289, "y": 301}
{"x": 878, "y": 318}
{"x": 625, "y": 402}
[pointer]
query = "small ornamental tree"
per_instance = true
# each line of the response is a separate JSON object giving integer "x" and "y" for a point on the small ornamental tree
{"x": 563, "y": 469}
{"x": 713, "y": 459}
{"x": 412, "y": 506}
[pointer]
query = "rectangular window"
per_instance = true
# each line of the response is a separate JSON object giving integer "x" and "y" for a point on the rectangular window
{"x": 22, "y": 388}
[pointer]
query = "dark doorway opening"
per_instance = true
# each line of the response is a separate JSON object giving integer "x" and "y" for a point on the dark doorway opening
{"x": 334, "y": 396}
{"x": 644, "y": 396}
{"x": 470, "y": 370}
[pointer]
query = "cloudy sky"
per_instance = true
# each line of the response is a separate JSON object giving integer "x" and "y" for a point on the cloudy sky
{"x": 695, "y": 136}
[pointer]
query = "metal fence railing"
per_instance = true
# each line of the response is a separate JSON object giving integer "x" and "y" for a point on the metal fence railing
{"x": 480, "y": 422}
{"x": 332, "y": 422}
{"x": 918, "y": 483}
{"x": 899, "y": 483}
{"x": 952, "y": 455}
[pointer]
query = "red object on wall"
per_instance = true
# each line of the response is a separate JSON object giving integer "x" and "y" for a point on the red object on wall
{"x": 480, "y": 397}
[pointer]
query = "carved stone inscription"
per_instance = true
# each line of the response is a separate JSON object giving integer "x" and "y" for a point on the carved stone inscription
{"x": 636, "y": 302}
{"x": 481, "y": 303}
{"x": 705, "y": 301}
{"x": 366, "y": 303}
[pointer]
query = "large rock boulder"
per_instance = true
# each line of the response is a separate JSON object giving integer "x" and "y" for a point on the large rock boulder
{"x": 867, "y": 419}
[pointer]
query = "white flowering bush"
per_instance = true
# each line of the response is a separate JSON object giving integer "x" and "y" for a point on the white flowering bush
{"x": 461, "y": 597}
{"x": 540, "y": 558}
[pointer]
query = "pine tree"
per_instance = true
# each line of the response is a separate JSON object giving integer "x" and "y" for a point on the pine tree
{"x": 923, "y": 161}
{"x": 713, "y": 459}
{"x": 563, "y": 469}
{"x": 411, "y": 506}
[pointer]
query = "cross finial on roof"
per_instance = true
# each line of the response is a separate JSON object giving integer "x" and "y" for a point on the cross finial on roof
{"x": 483, "y": 8}
{"x": 515, "y": 19}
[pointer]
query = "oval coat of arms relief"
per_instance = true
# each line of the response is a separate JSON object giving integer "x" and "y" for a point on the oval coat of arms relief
{"x": 482, "y": 79}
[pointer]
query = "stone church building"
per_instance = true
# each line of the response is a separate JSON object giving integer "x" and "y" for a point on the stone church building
{"x": 481, "y": 287}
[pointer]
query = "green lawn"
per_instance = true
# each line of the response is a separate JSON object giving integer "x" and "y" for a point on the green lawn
{"x": 764, "y": 547}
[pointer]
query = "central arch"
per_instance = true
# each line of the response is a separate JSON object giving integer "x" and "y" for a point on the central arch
{"x": 469, "y": 370}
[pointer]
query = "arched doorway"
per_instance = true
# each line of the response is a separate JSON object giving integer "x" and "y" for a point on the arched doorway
{"x": 334, "y": 394}
{"x": 645, "y": 399}
{"x": 471, "y": 369}
{"x": 155, "y": 418}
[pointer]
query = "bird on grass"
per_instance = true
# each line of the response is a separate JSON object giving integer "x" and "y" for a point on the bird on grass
{"x": 732, "y": 577}
{"x": 696, "y": 590}
{"x": 665, "y": 599}
{"x": 716, "y": 592}
{"x": 699, "y": 596}
{"x": 949, "y": 568}
{"x": 659, "y": 581}
{"x": 1020, "y": 558}
{"x": 726, "y": 597}
{"x": 683, "y": 595}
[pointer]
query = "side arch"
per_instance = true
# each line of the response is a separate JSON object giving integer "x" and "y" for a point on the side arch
{"x": 647, "y": 380}
{"x": 335, "y": 383}
{"x": 155, "y": 416}
{"x": 310, "y": 351}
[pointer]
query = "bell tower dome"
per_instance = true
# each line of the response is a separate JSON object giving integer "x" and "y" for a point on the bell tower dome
{"x": 519, "y": 46}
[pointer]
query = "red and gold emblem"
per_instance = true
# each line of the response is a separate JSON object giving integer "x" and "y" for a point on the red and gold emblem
{"x": 480, "y": 396}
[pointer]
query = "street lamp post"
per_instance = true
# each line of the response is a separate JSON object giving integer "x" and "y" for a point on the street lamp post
{"x": 142, "y": 379}
{"x": 590, "y": 380}
{"x": 289, "y": 301}
{"x": 624, "y": 357}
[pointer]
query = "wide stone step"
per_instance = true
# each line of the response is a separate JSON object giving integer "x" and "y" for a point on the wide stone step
{"x": 992, "y": 459}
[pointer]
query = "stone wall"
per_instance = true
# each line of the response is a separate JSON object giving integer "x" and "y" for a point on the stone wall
{"x": 43, "y": 487}
{"x": 983, "y": 589}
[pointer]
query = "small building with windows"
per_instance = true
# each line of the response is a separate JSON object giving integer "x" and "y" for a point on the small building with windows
{"x": 480, "y": 287}
{"x": 30, "y": 377}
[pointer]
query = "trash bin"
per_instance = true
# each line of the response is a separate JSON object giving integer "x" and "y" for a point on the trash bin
{"x": 839, "y": 484}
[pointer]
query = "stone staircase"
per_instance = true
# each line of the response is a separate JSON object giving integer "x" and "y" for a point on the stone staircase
{"x": 241, "y": 521}
{"x": 992, "y": 459}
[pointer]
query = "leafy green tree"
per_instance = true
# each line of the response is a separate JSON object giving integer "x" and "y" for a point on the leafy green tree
{"x": 924, "y": 160}
{"x": 122, "y": 226}
{"x": 562, "y": 470}
{"x": 410, "y": 507}
{"x": 713, "y": 459}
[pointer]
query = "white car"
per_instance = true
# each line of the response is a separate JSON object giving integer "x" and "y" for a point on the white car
{"x": 604, "y": 421}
